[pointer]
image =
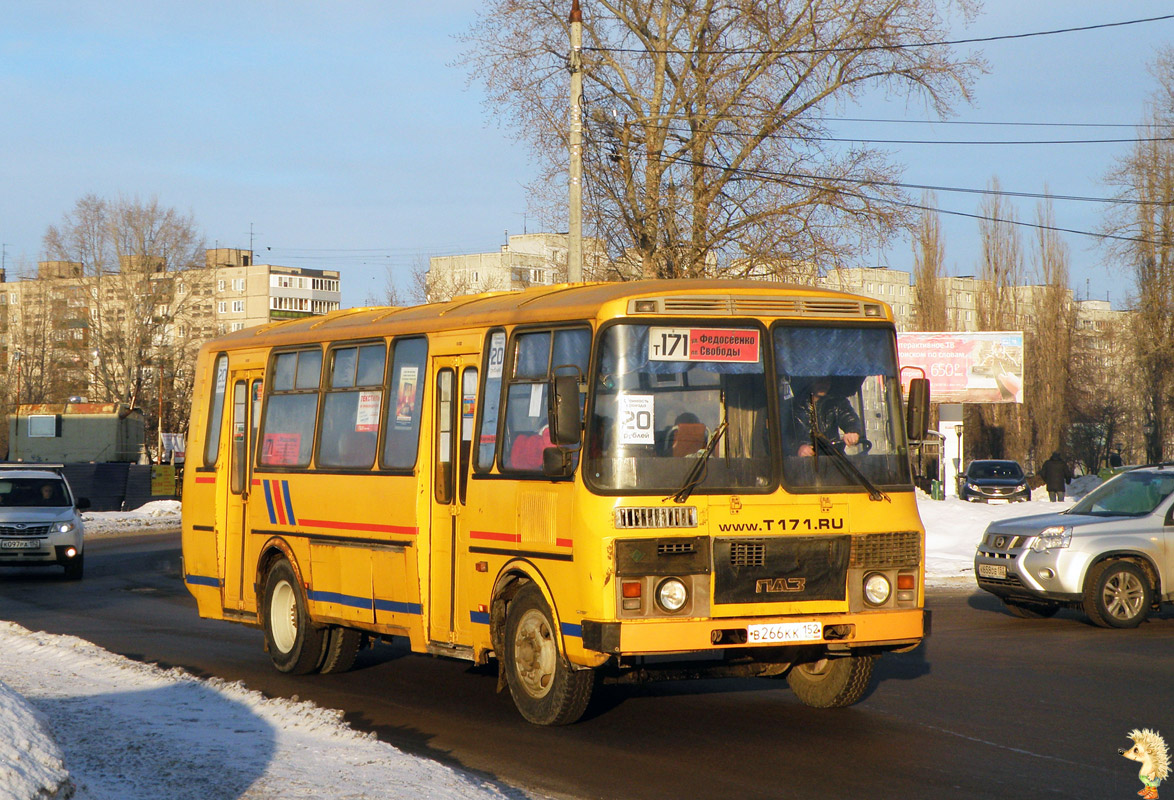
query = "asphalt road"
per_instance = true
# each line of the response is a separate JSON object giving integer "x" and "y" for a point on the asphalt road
{"x": 991, "y": 706}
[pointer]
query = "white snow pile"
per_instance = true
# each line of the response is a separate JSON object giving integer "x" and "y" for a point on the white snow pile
{"x": 132, "y": 731}
{"x": 157, "y": 515}
{"x": 30, "y": 761}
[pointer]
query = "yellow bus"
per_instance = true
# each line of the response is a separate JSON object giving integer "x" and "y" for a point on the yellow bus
{"x": 617, "y": 481}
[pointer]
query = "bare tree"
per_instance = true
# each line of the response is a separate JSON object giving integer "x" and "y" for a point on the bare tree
{"x": 1144, "y": 226}
{"x": 707, "y": 142}
{"x": 929, "y": 257}
{"x": 1048, "y": 338}
{"x": 996, "y": 430}
{"x": 143, "y": 274}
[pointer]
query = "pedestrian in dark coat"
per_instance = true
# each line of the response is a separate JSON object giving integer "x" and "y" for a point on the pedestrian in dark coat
{"x": 1056, "y": 474}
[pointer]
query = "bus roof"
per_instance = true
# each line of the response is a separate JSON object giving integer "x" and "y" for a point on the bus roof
{"x": 566, "y": 301}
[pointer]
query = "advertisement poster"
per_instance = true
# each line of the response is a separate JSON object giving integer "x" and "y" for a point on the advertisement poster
{"x": 965, "y": 367}
{"x": 281, "y": 448}
{"x": 406, "y": 395}
{"x": 367, "y": 417}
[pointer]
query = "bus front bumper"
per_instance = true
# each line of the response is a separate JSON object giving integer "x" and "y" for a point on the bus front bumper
{"x": 883, "y": 629}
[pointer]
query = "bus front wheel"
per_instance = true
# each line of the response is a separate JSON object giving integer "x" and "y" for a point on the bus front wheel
{"x": 831, "y": 682}
{"x": 295, "y": 645}
{"x": 545, "y": 689}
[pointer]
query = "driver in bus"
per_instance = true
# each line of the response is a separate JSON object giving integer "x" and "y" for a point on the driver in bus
{"x": 832, "y": 416}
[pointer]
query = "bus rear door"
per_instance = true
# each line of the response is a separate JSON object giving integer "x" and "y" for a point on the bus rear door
{"x": 245, "y": 399}
{"x": 455, "y": 382}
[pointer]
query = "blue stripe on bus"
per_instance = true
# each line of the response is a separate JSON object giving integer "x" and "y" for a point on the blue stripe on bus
{"x": 479, "y": 617}
{"x": 269, "y": 502}
{"x": 340, "y": 599}
{"x": 570, "y": 629}
{"x": 202, "y": 580}
{"x": 398, "y": 607}
{"x": 288, "y": 503}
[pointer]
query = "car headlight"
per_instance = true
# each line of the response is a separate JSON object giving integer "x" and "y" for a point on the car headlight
{"x": 877, "y": 589}
{"x": 972, "y": 487}
{"x": 672, "y": 594}
{"x": 1052, "y": 538}
{"x": 64, "y": 527}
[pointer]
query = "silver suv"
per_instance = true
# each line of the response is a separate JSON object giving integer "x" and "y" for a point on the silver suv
{"x": 1106, "y": 555}
{"x": 40, "y": 519}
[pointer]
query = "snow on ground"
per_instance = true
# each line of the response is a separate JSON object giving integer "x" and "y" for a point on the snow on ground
{"x": 78, "y": 721}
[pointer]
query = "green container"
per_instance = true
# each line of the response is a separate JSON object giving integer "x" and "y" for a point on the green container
{"x": 936, "y": 491}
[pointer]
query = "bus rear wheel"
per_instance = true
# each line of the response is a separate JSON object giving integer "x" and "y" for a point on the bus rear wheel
{"x": 295, "y": 645}
{"x": 831, "y": 682}
{"x": 340, "y": 648}
{"x": 545, "y": 689}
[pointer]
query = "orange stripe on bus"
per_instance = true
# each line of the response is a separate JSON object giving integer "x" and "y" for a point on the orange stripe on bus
{"x": 200, "y": 479}
{"x": 359, "y": 526}
{"x": 278, "y": 503}
{"x": 495, "y": 536}
{"x": 564, "y": 542}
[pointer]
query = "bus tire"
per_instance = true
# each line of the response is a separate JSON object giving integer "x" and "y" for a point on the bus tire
{"x": 294, "y": 643}
{"x": 545, "y": 689}
{"x": 341, "y": 647}
{"x": 831, "y": 682}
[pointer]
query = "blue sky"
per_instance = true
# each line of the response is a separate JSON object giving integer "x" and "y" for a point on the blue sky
{"x": 341, "y": 135}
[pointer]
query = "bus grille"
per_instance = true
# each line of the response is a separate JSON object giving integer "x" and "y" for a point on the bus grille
{"x": 762, "y": 306}
{"x": 747, "y": 554}
{"x": 657, "y": 517}
{"x": 886, "y": 550}
{"x": 31, "y": 530}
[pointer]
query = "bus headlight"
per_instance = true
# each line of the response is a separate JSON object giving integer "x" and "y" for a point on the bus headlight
{"x": 672, "y": 594}
{"x": 877, "y": 589}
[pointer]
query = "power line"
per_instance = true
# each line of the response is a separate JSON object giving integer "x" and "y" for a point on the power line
{"x": 907, "y": 46}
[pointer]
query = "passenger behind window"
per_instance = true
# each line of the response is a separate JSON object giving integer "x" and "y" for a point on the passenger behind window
{"x": 688, "y": 435}
{"x": 526, "y": 450}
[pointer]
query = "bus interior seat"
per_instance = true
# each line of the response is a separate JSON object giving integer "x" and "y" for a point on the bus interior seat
{"x": 686, "y": 438}
{"x": 526, "y": 451}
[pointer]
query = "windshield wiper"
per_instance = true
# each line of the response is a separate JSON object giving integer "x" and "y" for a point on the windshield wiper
{"x": 846, "y": 466}
{"x": 697, "y": 471}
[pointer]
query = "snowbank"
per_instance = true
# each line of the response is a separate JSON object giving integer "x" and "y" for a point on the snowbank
{"x": 137, "y": 732}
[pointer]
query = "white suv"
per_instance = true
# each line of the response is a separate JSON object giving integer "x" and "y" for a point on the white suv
{"x": 40, "y": 519}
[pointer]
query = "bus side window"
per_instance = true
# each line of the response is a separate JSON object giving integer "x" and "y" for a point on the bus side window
{"x": 537, "y": 355}
{"x": 401, "y": 429}
{"x": 216, "y": 413}
{"x": 291, "y": 410}
{"x": 494, "y": 361}
{"x": 350, "y": 411}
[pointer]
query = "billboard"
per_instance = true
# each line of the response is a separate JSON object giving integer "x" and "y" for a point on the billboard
{"x": 966, "y": 367}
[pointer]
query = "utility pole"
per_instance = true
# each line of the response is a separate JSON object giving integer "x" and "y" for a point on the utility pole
{"x": 575, "y": 243}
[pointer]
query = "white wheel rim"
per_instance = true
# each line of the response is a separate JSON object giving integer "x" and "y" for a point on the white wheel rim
{"x": 535, "y": 653}
{"x": 1123, "y": 595}
{"x": 283, "y": 616}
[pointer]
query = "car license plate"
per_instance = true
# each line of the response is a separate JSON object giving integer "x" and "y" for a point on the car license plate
{"x": 997, "y": 571}
{"x": 784, "y": 632}
{"x": 20, "y": 544}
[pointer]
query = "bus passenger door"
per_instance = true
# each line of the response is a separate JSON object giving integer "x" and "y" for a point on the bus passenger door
{"x": 244, "y": 399}
{"x": 456, "y": 388}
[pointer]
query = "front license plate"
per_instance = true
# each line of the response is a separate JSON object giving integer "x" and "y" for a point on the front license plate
{"x": 784, "y": 632}
{"x": 997, "y": 571}
{"x": 20, "y": 544}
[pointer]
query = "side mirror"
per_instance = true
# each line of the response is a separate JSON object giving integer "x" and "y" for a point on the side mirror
{"x": 564, "y": 417}
{"x": 557, "y": 462}
{"x": 917, "y": 409}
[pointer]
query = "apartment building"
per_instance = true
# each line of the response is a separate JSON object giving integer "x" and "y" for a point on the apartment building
{"x": 528, "y": 259}
{"x": 56, "y": 321}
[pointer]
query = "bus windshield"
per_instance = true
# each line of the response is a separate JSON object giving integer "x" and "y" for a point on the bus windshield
{"x": 839, "y": 387}
{"x": 661, "y": 393}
